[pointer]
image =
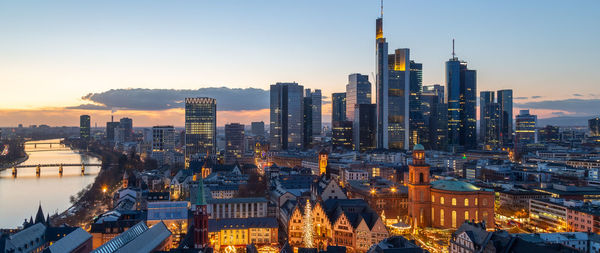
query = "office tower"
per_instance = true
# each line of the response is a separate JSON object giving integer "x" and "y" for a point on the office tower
{"x": 125, "y": 130}
{"x": 461, "y": 88}
{"x": 84, "y": 127}
{"x": 163, "y": 144}
{"x": 234, "y": 142}
{"x": 358, "y": 91}
{"x": 364, "y": 127}
{"x": 258, "y": 128}
{"x": 286, "y": 119}
{"x": 549, "y": 134}
{"x": 111, "y": 127}
{"x": 505, "y": 99}
{"x": 419, "y": 133}
{"x": 316, "y": 98}
{"x": 525, "y": 129}
{"x": 307, "y": 121}
{"x": 436, "y": 116}
{"x": 338, "y": 107}
{"x": 437, "y": 90}
{"x": 491, "y": 118}
{"x": 342, "y": 134}
{"x": 200, "y": 128}
{"x": 485, "y": 98}
{"x": 393, "y": 106}
{"x": 594, "y": 125}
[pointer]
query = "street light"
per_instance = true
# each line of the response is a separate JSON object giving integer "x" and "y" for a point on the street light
{"x": 104, "y": 189}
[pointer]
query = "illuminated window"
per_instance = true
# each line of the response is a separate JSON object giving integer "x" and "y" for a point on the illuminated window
{"x": 475, "y": 201}
{"x": 432, "y": 215}
{"x": 453, "y": 201}
{"x": 421, "y": 215}
{"x": 453, "y": 219}
{"x": 421, "y": 178}
{"x": 466, "y": 202}
{"x": 441, "y": 217}
{"x": 466, "y": 215}
{"x": 476, "y": 215}
{"x": 432, "y": 199}
{"x": 442, "y": 200}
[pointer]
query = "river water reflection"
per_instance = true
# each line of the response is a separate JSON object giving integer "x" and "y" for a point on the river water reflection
{"x": 20, "y": 196}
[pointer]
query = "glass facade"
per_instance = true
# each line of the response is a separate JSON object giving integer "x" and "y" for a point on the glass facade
{"x": 505, "y": 99}
{"x": 286, "y": 116}
{"x": 525, "y": 128}
{"x": 358, "y": 91}
{"x": 84, "y": 127}
{"x": 338, "y": 107}
{"x": 234, "y": 142}
{"x": 200, "y": 127}
{"x": 364, "y": 127}
{"x": 417, "y": 121}
{"x": 461, "y": 95}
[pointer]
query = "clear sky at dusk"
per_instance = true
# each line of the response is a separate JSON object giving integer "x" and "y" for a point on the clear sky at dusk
{"x": 52, "y": 53}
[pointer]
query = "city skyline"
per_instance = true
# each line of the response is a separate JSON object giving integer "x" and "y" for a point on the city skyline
{"x": 102, "y": 57}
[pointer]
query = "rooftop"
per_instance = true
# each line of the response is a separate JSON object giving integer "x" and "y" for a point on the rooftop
{"x": 454, "y": 185}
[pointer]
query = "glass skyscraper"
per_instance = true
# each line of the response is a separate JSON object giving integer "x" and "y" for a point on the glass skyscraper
{"x": 200, "y": 127}
{"x": 461, "y": 88}
{"x": 505, "y": 100}
{"x": 315, "y": 97}
{"x": 234, "y": 142}
{"x": 358, "y": 91}
{"x": 338, "y": 107}
{"x": 417, "y": 125}
{"x": 525, "y": 129}
{"x": 594, "y": 125}
{"x": 84, "y": 127}
{"x": 364, "y": 127}
{"x": 286, "y": 116}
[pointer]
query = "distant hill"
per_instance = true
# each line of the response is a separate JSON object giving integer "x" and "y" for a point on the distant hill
{"x": 565, "y": 121}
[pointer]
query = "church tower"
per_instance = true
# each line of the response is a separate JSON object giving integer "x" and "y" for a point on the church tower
{"x": 323, "y": 156}
{"x": 200, "y": 218}
{"x": 419, "y": 190}
{"x": 125, "y": 180}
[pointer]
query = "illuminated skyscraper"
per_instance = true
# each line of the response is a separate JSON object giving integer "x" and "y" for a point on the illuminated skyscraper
{"x": 110, "y": 130}
{"x": 525, "y": 129}
{"x": 341, "y": 134}
{"x": 364, "y": 127}
{"x": 200, "y": 127}
{"x": 338, "y": 107}
{"x": 125, "y": 130}
{"x": 317, "y": 125}
{"x": 234, "y": 142}
{"x": 163, "y": 144}
{"x": 485, "y": 98}
{"x": 358, "y": 91}
{"x": 436, "y": 116}
{"x": 286, "y": 115}
{"x": 307, "y": 121}
{"x": 505, "y": 100}
{"x": 419, "y": 133}
{"x": 461, "y": 88}
{"x": 84, "y": 127}
{"x": 594, "y": 125}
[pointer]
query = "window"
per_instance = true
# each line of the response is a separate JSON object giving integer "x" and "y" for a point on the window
{"x": 432, "y": 199}
{"x": 466, "y": 215}
{"x": 475, "y": 201}
{"x": 442, "y": 217}
{"x": 466, "y": 202}
{"x": 442, "y": 200}
{"x": 453, "y": 201}
{"x": 421, "y": 216}
{"x": 421, "y": 178}
{"x": 453, "y": 219}
{"x": 432, "y": 215}
{"x": 484, "y": 202}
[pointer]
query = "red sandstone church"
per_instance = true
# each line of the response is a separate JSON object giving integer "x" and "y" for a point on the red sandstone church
{"x": 444, "y": 203}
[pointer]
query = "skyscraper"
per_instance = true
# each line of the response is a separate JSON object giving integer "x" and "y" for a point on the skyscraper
{"x": 234, "y": 142}
{"x": 525, "y": 129}
{"x": 307, "y": 121}
{"x": 200, "y": 127}
{"x": 111, "y": 127}
{"x": 341, "y": 134}
{"x": 436, "y": 116}
{"x": 163, "y": 144}
{"x": 316, "y": 99}
{"x": 505, "y": 99}
{"x": 338, "y": 107}
{"x": 461, "y": 88}
{"x": 286, "y": 115}
{"x": 419, "y": 133}
{"x": 485, "y": 98}
{"x": 258, "y": 128}
{"x": 594, "y": 125}
{"x": 491, "y": 118}
{"x": 358, "y": 91}
{"x": 364, "y": 127}
{"x": 84, "y": 127}
{"x": 125, "y": 130}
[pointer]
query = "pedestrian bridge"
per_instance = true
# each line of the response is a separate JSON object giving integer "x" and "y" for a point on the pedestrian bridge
{"x": 38, "y": 167}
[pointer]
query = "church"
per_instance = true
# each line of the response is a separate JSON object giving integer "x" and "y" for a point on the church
{"x": 444, "y": 204}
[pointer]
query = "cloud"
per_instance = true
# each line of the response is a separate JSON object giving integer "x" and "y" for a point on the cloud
{"x": 536, "y": 97}
{"x": 519, "y": 98}
{"x": 228, "y": 99}
{"x": 558, "y": 113}
{"x": 577, "y": 95}
{"x": 574, "y": 105}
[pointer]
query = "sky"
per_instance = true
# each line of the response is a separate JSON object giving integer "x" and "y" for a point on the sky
{"x": 60, "y": 59}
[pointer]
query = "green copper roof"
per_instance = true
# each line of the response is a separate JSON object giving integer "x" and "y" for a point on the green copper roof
{"x": 200, "y": 196}
{"x": 418, "y": 147}
{"x": 454, "y": 185}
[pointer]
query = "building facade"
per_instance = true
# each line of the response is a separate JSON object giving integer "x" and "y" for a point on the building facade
{"x": 358, "y": 91}
{"x": 505, "y": 100}
{"x": 286, "y": 113}
{"x": 84, "y": 127}
{"x": 364, "y": 127}
{"x": 200, "y": 127}
{"x": 461, "y": 95}
{"x": 338, "y": 107}
{"x": 234, "y": 142}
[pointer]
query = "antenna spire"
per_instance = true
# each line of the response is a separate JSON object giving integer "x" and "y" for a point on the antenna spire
{"x": 381, "y": 8}
{"x": 453, "y": 54}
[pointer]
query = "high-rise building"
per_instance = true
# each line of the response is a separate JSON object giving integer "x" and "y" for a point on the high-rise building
{"x": 485, "y": 98}
{"x": 594, "y": 125}
{"x": 163, "y": 144}
{"x": 125, "y": 130}
{"x": 525, "y": 128}
{"x": 307, "y": 122}
{"x": 316, "y": 101}
{"x": 111, "y": 127}
{"x": 358, "y": 91}
{"x": 437, "y": 90}
{"x": 419, "y": 132}
{"x": 505, "y": 99}
{"x": 84, "y": 127}
{"x": 200, "y": 128}
{"x": 234, "y": 142}
{"x": 258, "y": 128}
{"x": 491, "y": 118}
{"x": 364, "y": 127}
{"x": 436, "y": 116}
{"x": 338, "y": 107}
{"x": 549, "y": 134}
{"x": 342, "y": 134}
{"x": 286, "y": 116}
{"x": 461, "y": 88}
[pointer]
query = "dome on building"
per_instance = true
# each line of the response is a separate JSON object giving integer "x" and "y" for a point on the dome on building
{"x": 454, "y": 185}
{"x": 418, "y": 147}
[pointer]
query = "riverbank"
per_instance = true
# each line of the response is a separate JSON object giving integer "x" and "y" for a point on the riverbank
{"x": 14, "y": 163}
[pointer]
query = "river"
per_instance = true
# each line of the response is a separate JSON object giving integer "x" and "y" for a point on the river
{"x": 20, "y": 196}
